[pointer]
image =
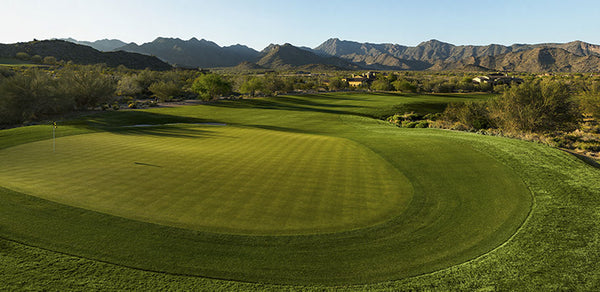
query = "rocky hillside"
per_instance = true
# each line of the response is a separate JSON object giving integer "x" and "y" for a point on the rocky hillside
{"x": 435, "y": 55}
{"x": 288, "y": 57}
{"x": 542, "y": 59}
{"x": 80, "y": 54}
{"x": 193, "y": 52}
{"x": 336, "y": 54}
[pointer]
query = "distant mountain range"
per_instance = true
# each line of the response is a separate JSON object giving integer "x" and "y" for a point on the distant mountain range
{"x": 435, "y": 55}
{"x": 289, "y": 57}
{"x": 336, "y": 54}
{"x": 104, "y": 45}
{"x": 80, "y": 54}
{"x": 194, "y": 52}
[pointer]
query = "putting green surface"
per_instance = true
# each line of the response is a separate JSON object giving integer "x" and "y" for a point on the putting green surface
{"x": 298, "y": 192}
{"x": 217, "y": 178}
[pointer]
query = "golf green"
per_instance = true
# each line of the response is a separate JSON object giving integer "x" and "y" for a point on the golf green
{"x": 291, "y": 190}
{"x": 216, "y": 178}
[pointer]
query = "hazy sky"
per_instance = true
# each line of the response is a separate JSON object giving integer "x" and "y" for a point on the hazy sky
{"x": 257, "y": 23}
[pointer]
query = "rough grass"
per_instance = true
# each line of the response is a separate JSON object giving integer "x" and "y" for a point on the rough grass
{"x": 556, "y": 248}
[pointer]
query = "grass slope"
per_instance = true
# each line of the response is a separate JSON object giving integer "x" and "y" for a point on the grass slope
{"x": 449, "y": 216}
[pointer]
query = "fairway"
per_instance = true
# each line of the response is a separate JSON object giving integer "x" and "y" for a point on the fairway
{"x": 290, "y": 190}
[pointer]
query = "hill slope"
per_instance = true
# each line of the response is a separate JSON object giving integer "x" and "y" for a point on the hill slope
{"x": 543, "y": 59}
{"x": 287, "y": 56}
{"x": 104, "y": 45}
{"x": 193, "y": 52}
{"x": 438, "y": 55}
{"x": 80, "y": 54}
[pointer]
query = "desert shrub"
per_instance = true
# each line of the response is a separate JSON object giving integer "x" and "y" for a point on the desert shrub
{"x": 443, "y": 87}
{"x": 590, "y": 100}
{"x": 536, "y": 106}
{"x": 252, "y": 86}
{"x": 381, "y": 85}
{"x": 138, "y": 85}
{"x": 422, "y": 124}
{"x": 37, "y": 59}
{"x": 404, "y": 86}
{"x": 336, "y": 83}
{"x": 87, "y": 86}
{"x": 594, "y": 147}
{"x": 128, "y": 85}
{"x": 22, "y": 56}
{"x": 473, "y": 115}
{"x": 409, "y": 124}
{"x": 399, "y": 119}
{"x": 30, "y": 95}
{"x": 166, "y": 90}
{"x": 210, "y": 86}
{"x": 274, "y": 84}
{"x": 432, "y": 116}
{"x": 49, "y": 60}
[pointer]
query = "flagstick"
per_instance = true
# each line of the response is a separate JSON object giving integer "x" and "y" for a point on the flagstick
{"x": 54, "y": 137}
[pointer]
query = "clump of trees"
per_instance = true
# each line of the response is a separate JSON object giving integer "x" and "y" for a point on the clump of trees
{"x": 590, "y": 100}
{"x": 271, "y": 84}
{"x": 537, "y": 106}
{"x": 210, "y": 86}
{"x": 86, "y": 86}
{"x": 36, "y": 93}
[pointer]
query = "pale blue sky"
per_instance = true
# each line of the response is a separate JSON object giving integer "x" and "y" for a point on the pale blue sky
{"x": 257, "y": 23}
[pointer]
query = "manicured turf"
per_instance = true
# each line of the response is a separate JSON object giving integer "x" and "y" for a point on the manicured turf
{"x": 214, "y": 178}
{"x": 466, "y": 199}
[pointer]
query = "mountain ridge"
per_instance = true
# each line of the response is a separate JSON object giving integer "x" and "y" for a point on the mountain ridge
{"x": 427, "y": 55}
{"x": 287, "y": 56}
{"x": 432, "y": 52}
{"x": 103, "y": 45}
{"x": 193, "y": 52}
{"x": 82, "y": 54}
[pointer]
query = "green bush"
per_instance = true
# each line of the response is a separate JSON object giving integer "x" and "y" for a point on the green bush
{"x": 590, "y": 100}
{"x": 474, "y": 115}
{"x": 37, "y": 59}
{"x": 31, "y": 95}
{"x": 252, "y": 86}
{"x": 381, "y": 85}
{"x": 87, "y": 86}
{"x": 210, "y": 86}
{"x": 536, "y": 106}
{"x": 22, "y": 56}
{"x": 404, "y": 86}
{"x": 166, "y": 90}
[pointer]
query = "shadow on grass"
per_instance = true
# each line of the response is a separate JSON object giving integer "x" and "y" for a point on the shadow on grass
{"x": 289, "y": 103}
{"x": 148, "y": 123}
{"x": 164, "y": 125}
{"x": 587, "y": 160}
{"x": 130, "y": 118}
{"x": 170, "y": 131}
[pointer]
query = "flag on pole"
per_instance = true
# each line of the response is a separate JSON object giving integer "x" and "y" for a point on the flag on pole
{"x": 54, "y": 137}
